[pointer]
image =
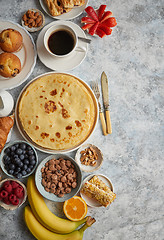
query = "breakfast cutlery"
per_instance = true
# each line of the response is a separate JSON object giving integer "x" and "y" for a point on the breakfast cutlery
{"x": 87, "y": 40}
{"x": 105, "y": 94}
{"x": 97, "y": 94}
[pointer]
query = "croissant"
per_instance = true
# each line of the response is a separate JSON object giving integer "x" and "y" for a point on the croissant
{"x": 6, "y": 124}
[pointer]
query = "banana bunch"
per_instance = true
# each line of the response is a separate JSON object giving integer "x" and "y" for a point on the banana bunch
{"x": 42, "y": 233}
{"x": 47, "y": 223}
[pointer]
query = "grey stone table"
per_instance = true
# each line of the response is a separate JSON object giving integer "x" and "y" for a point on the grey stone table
{"x": 132, "y": 57}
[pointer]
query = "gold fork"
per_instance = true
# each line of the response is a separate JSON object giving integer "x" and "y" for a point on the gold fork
{"x": 96, "y": 91}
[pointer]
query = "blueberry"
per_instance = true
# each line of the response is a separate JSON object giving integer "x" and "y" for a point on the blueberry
{"x": 19, "y": 175}
{"x": 13, "y": 148}
{"x": 20, "y": 164}
{"x": 24, "y": 173}
{"x": 17, "y": 161}
{"x": 6, "y": 159}
{"x": 28, "y": 170}
{"x": 15, "y": 156}
{"x": 22, "y": 146}
{"x": 7, "y": 167}
{"x": 26, "y": 155}
{"x": 24, "y": 152}
{"x": 16, "y": 145}
{"x": 12, "y": 154}
{"x": 18, "y": 169}
{"x": 11, "y": 171}
{"x": 21, "y": 157}
{"x": 32, "y": 157}
{"x": 19, "y": 151}
{"x": 30, "y": 152}
{"x": 31, "y": 166}
{"x": 26, "y": 161}
{"x": 29, "y": 148}
{"x": 11, "y": 166}
{"x": 7, "y": 150}
{"x": 24, "y": 167}
{"x": 32, "y": 162}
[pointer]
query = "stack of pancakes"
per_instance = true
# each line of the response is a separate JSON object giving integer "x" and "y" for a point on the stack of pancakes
{"x": 57, "y": 111}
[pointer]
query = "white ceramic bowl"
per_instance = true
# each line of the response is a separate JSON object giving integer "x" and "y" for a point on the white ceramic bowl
{"x": 34, "y": 29}
{"x": 51, "y": 196}
{"x": 21, "y": 201}
{"x": 3, "y": 154}
{"x": 89, "y": 168}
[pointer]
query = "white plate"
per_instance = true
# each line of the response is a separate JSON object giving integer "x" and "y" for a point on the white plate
{"x": 61, "y": 63}
{"x": 51, "y": 196}
{"x": 47, "y": 150}
{"x": 27, "y": 56}
{"x": 89, "y": 201}
{"x": 75, "y": 12}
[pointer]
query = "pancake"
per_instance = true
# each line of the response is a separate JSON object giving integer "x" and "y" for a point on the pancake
{"x": 57, "y": 111}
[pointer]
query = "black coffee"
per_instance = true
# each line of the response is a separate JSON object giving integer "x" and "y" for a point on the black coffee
{"x": 61, "y": 42}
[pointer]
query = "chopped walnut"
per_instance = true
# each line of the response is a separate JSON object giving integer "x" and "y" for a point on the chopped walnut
{"x": 89, "y": 157}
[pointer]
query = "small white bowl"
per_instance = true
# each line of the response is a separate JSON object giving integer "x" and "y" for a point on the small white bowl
{"x": 90, "y": 201}
{"x": 3, "y": 154}
{"x": 98, "y": 161}
{"x": 34, "y": 29}
{"x": 12, "y": 207}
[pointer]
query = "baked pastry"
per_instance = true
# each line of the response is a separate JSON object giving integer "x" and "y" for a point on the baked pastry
{"x": 58, "y": 7}
{"x": 10, "y": 40}
{"x": 6, "y": 124}
{"x": 67, "y": 3}
{"x": 57, "y": 111}
{"x": 10, "y": 65}
{"x": 55, "y": 7}
{"x": 79, "y": 2}
{"x": 98, "y": 190}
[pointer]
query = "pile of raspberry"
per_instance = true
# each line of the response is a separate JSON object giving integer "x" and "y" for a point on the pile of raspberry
{"x": 11, "y": 192}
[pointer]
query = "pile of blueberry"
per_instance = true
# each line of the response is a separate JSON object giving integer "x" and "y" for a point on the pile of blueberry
{"x": 19, "y": 159}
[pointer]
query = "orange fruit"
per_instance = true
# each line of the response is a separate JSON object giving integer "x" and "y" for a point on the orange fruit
{"x": 75, "y": 208}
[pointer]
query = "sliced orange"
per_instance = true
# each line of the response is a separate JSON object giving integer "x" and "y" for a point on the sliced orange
{"x": 75, "y": 208}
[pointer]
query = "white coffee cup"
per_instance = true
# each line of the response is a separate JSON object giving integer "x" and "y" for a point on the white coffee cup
{"x": 62, "y": 27}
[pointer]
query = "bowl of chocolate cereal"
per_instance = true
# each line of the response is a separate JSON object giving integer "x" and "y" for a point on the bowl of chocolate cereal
{"x": 58, "y": 178}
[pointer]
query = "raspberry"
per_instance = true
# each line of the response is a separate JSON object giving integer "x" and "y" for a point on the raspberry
{"x": 12, "y": 198}
{"x": 16, "y": 202}
{"x": 14, "y": 184}
{"x": 7, "y": 187}
{"x": 3, "y": 194}
{"x": 7, "y": 182}
{"x": 19, "y": 192}
{"x": 6, "y": 200}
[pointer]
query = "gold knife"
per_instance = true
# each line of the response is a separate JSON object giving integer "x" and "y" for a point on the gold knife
{"x": 105, "y": 92}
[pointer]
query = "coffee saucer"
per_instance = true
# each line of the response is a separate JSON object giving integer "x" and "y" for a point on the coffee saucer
{"x": 62, "y": 63}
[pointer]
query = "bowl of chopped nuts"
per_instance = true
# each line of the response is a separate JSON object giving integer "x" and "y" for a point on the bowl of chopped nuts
{"x": 33, "y": 20}
{"x": 89, "y": 158}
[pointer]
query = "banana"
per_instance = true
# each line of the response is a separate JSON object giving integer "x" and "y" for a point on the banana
{"x": 44, "y": 215}
{"x": 42, "y": 233}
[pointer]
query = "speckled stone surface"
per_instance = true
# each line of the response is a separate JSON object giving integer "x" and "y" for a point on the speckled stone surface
{"x": 132, "y": 57}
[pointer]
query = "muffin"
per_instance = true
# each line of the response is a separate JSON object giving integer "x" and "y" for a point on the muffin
{"x": 10, "y": 65}
{"x": 10, "y": 40}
